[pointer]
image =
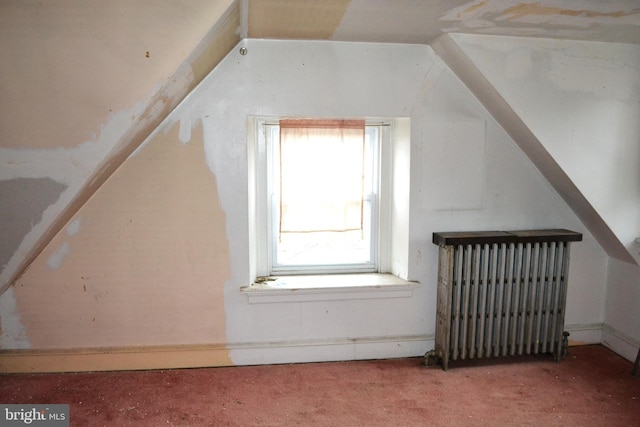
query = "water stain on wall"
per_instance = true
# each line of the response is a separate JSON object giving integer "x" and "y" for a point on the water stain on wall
{"x": 148, "y": 265}
{"x": 473, "y": 8}
{"x": 527, "y": 9}
{"x": 488, "y": 13}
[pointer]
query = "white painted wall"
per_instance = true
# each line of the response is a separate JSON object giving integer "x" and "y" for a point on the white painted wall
{"x": 448, "y": 126}
{"x": 621, "y": 331}
{"x": 582, "y": 101}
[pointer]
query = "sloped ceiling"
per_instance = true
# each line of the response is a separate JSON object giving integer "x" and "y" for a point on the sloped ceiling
{"x": 84, "y": 82}
{"x": 411, "y": 21}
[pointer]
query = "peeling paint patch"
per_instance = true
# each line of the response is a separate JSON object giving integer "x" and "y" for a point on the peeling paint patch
{"x": 57, "y": 258}
{"x": 135, "y": 252}
{"x": 83, "y": 167}
{"x": 23, "y": 202}
{"x": 70, "y": 165}
{"x": 13, "y": 334}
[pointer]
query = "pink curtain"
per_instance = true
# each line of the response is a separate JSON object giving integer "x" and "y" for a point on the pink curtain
{"x": 321, "y": 175}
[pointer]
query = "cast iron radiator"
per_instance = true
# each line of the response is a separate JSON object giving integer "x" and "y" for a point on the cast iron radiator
{"x": 501, "y": 293}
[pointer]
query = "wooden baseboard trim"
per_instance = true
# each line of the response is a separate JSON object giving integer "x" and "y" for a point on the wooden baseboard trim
{"x": 218, "y": 355}
{"x": 114, "y": 358}
{"x": 209, "y": 355}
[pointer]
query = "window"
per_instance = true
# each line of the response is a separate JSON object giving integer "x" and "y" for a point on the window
{"x": 320, "y": 202}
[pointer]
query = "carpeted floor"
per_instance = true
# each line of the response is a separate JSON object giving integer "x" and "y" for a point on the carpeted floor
{"x": 591, "y": 387}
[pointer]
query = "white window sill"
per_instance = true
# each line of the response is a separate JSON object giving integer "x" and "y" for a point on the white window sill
{"x": 330, "y": 287}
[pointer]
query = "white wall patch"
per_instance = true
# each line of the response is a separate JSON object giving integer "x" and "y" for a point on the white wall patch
{"x": 13, "y": 334}
{"x": 74, "y": 227}
{"x": 185, "y": 129}
{"x": 57, "y": 258}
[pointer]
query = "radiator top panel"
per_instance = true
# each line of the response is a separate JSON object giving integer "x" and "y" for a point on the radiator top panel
{"x": 448, "y": 238}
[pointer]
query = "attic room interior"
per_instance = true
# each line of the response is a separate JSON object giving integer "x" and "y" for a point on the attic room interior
{"x": 135, "y": 218}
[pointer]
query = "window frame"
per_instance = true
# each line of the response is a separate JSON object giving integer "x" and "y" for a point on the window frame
{"x": 264, "y": 209}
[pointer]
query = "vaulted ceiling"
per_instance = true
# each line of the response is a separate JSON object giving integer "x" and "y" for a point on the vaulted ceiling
{"x": 84, "y": 82}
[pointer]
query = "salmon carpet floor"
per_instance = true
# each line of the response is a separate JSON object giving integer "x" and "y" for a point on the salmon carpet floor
{"x": 591, "y": 387}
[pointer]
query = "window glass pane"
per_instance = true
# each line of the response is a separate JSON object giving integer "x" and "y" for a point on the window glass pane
{"x": 324, "y": 199}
